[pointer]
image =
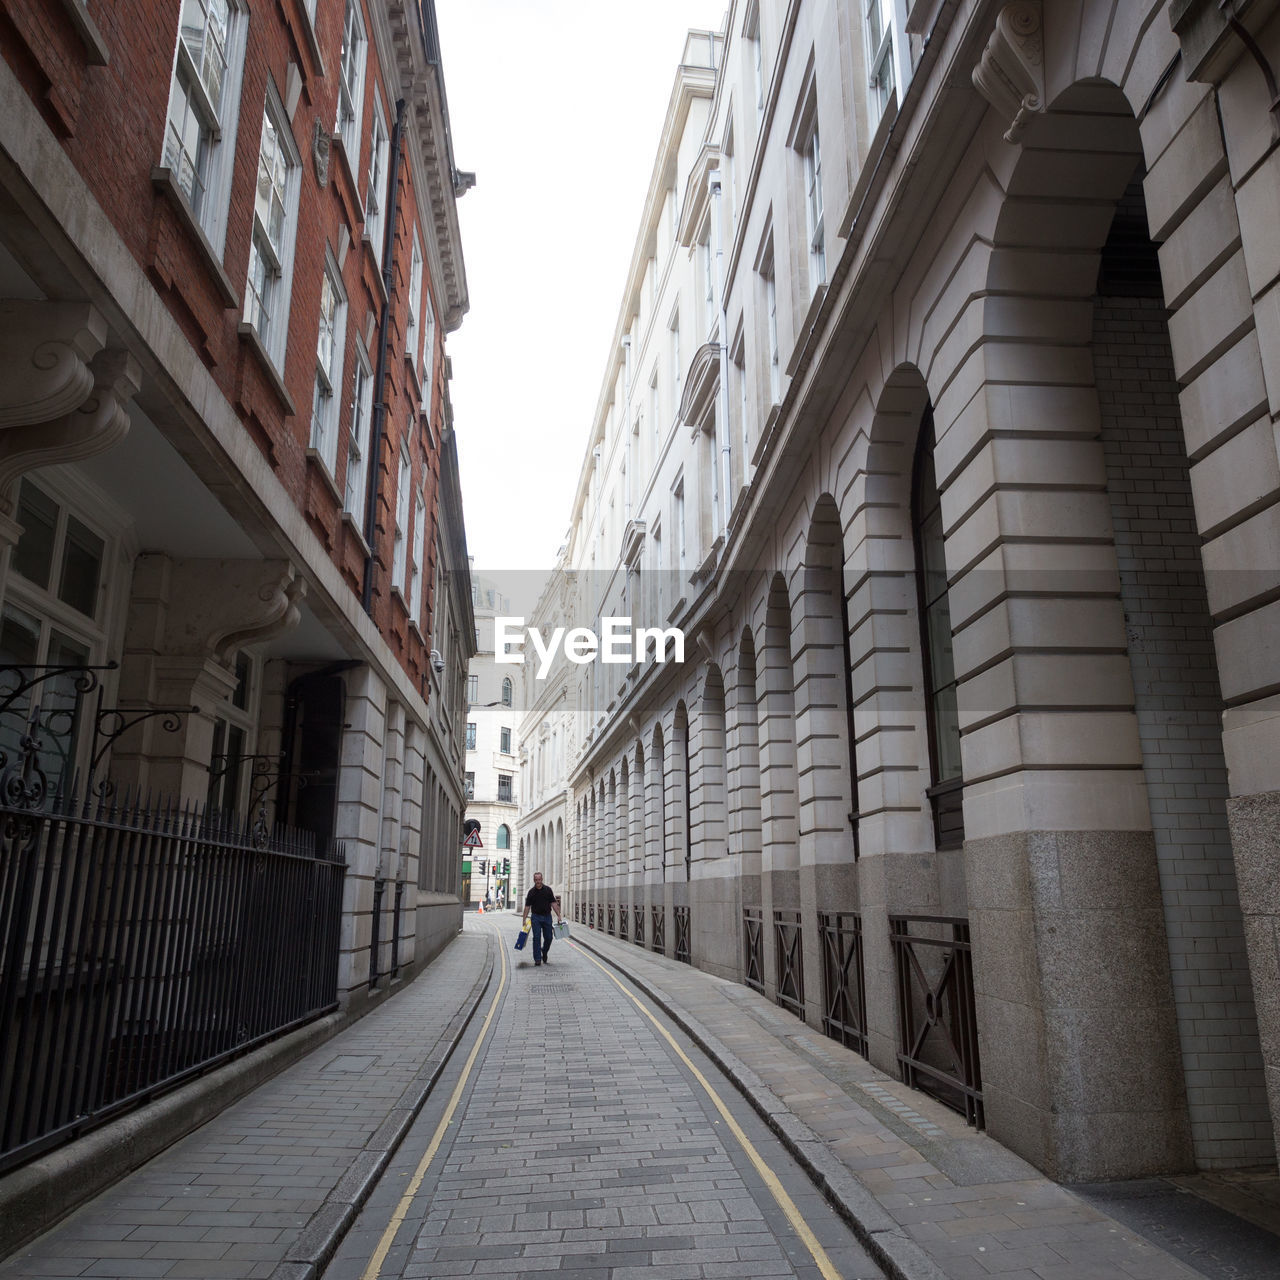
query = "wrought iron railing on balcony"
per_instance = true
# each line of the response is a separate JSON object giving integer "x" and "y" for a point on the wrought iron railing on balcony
{"x": 844, "y": 986}
{"x": 938, "y": 1024}
{"x": 683, "y": 951}
{"x": 753, "y": 948}
{"x": 790, "y": 961}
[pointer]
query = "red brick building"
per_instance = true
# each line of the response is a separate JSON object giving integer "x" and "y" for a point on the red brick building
{"x": 229, "y": 259}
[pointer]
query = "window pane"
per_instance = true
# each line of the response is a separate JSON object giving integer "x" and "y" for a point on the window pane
{"x": 81, "y": 568}
{"x": 38, "y": 516}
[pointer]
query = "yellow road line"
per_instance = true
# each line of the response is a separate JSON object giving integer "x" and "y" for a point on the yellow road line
{"x": 779, "y": 1192}
{"x": 374, "y": 1269}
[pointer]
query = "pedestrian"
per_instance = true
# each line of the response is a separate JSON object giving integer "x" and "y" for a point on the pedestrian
{"x": 541, "y": 901}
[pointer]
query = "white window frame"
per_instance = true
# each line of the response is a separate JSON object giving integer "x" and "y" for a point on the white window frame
{"x": 353, "y": 59}
{"x": 751, "y": 31}
{"x": 215, "y": 124}
{"x": 814, "y": 222}
{"x": 681, "y": 548}
{"x": 278, "y": 259}
{"x": 412, "y": 334}
{"x": 769, "y": 283}
{"x": 375, "y": 194}
{"x": 673, "y": 330}
{"x": 418, "y": 559}
{"x": 355, "y": 495}
{"x": 329, "y": 365}
{"x": 428, "y": 349}
{"x": 400, "y": 546}
{"x": 879, "y": 21}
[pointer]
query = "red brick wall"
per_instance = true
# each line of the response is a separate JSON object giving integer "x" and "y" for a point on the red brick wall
{"x": 111, "y": 119}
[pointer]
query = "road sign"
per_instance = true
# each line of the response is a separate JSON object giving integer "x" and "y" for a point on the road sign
{"x": 472, "y": 841}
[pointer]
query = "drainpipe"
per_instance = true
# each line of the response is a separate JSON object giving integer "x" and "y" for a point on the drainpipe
{"x": 380, "y": 374}
{"x": 722, "y": 397}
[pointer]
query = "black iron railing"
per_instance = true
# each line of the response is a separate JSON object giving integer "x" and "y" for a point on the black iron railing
{"x": 591, "y": 915}
{"x": 612, "y": 927}
{"x": 844, "y": 985}
{"x": 637, "y": 914}
{"x": 790, "y": 961}
{"x": 937, "y": 1017}
{"x": 658, "y": 941}
{"x": 683, "y": 951}
{"x": 624, "y": 923}
{"x": 753, "y": 948}
{"x": 140, "y": 945}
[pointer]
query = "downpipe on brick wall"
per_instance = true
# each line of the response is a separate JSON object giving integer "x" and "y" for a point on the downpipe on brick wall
{"x": 380, "y": 373}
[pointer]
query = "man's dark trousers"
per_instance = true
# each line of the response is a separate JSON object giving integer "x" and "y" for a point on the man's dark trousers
{"x": 541, "y": 936}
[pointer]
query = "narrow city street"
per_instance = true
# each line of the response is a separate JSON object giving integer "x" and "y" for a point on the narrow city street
{"x": 577, "y": 1132}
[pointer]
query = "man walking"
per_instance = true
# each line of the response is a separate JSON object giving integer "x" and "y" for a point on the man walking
{"x": 541, "y": 900}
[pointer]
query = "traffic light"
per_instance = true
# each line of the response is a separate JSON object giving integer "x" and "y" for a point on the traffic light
{"x": 484, "y": 866}
{"x": 506, "y": 866}
{"x": 471, "y": 824}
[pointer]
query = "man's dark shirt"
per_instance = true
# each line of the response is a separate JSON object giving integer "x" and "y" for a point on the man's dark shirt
{"x": 539, "y": 900}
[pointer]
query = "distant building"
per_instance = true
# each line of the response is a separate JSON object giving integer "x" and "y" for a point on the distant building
{"x": 940, "y": 416}
{"x": 493, "y": 754}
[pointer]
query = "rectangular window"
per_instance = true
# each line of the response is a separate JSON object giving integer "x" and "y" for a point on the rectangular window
{"x": 471, "y": 735}
{"x": 331, "y": 344}
{"x": 755, "y": 45}
{"x": 504, "y": 787}
{"x": 675, "y": 355}
{"x": 504, "y": 735}
{"x": 473, "y": 690}
{"x": 416, "y": 560}
{"x": 428, "y": 349}
{"x": 744, "y": 410}
{"x": 354, "y": 496}
{"x": 199, "y": 139}
{"x": 470, "y": 785}
{"x": 677, "y": 519}
{"x": 399, "y": 556}
{"x": 771, "y": 324}
{"x": 813, "y": 209}
{"x": 271, "y": 246}
{"x": 653, "y": 416}
{"x": 878, "y": 25}
{"x": 375, "y": 195}
{"x": 351, "y": 81}
{"x": 412, "y": 338}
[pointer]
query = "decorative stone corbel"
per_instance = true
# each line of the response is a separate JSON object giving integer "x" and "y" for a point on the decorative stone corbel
{"x": 45, "y": 350}
{"x": 1010, "y": 74}
{"x": 100, "y": 420}
{"x": 280, "y": 596}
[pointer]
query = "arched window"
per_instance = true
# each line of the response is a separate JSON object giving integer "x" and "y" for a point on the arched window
{"x": 504, "y": 837}
{"x": 936, "y": 647}
{"x": 507, "y": 690}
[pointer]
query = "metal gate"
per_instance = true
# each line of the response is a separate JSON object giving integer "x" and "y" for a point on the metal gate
{"x": 753, "y": 948}
{"x": 844, "y": 987}
{"x": 938, "y": 1025}
{"x": 790, "y": 961}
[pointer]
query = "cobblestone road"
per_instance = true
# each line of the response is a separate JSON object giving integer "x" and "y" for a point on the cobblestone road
{"x": 585, "y": 1146}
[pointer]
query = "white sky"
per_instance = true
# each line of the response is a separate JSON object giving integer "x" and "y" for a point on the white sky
{"x": 557, "y": 106}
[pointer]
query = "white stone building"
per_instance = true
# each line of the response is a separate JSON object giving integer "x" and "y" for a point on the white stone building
{"x": 942, "y": 420}
{"x": 493, "y": 754}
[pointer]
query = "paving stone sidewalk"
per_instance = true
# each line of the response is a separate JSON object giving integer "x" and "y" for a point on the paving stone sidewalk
{"x": 934, "y": 1197}
{"x": 266, "y": 1189}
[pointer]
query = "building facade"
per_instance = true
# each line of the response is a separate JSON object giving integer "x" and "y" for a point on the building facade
{"x": 941, "y": 422}
{"x": 548, "y": 728}
{"x": 229, "y": 258}
{"x": 493, "y": 756}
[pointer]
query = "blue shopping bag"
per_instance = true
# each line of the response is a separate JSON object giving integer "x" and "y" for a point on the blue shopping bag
{"x": 523, "y": 936}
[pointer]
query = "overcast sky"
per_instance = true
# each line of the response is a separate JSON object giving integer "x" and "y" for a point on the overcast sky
{"x": 557, "y": 106}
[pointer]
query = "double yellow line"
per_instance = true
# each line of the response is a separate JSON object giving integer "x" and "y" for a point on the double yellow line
{"x": 767, "y": 1176}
